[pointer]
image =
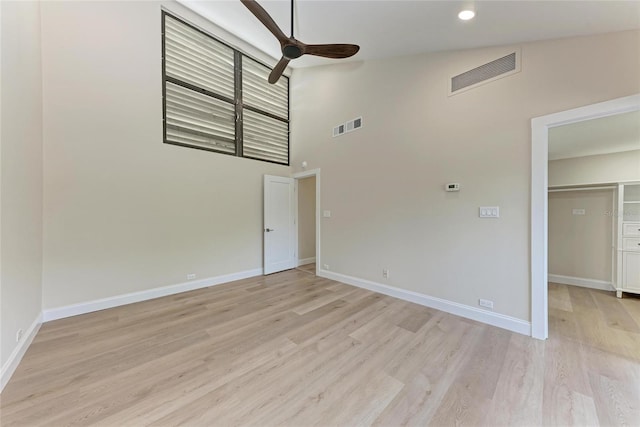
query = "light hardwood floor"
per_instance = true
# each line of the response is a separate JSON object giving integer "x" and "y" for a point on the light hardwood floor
{"x": 309, "y": 268}
{"x": 292, "y": 349}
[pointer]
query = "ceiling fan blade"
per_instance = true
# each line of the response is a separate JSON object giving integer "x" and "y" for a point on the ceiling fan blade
{"x": 336, "y": 51}
{"x": 266, "y": 20}
{"x": 278, "y": 70}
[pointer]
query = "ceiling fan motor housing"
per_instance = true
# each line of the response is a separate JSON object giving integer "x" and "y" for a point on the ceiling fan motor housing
{"x": 291, "y": 51}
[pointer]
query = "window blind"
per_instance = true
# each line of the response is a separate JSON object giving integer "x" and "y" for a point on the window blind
{"x": 265, "y": 138}
{"x": 196, "y": 58}
{"x": 259, "y": 93}
{"x": 200, "y": 120}
{"x": 217, "y": 99}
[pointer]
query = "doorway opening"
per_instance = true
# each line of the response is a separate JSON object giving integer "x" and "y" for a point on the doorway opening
{"x": 539, "y": 197}
{"x": 307, "y": 205}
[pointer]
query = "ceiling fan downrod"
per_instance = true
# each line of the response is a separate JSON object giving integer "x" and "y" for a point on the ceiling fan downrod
{"x": 292, "y": 48}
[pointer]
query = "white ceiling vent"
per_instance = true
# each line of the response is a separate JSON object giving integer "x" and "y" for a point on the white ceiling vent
{"x": 501, "y": 67}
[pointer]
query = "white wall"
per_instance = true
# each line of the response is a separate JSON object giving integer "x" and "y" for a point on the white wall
{"x": 124, "y": 212}
{"x": 580, "y": 246}
{"x": 21, "y": 171}
{"x": 384, "y": 183}
{"x": 307, "y": 218}
{"x": 603, "y": 168}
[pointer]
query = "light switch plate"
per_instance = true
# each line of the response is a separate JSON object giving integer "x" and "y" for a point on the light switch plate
{"x": 489, "y": 212}
{"x": 579, "y": 212}
{"x": 326, "y": 214}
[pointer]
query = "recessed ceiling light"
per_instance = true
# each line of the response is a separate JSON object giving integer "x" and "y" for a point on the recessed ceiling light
{"x": 465, "y": 15}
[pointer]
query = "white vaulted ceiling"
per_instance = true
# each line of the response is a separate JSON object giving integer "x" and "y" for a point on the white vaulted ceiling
{"x": 612, "y": 134}
{"x": 393, "y": 28}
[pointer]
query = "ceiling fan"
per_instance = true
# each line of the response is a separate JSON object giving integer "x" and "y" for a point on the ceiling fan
{"x": 292, "y": 48}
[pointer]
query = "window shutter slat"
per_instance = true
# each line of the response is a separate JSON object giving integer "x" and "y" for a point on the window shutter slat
{"x": 203, "y": 94}
{"x": 258, "y": 93}
{"x": 195, "y": 58}
{"x": 200, "y": 120}
{"x": 265, "y": 138}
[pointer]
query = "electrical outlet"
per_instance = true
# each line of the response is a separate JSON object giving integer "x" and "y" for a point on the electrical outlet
{"x": 19, "y": 335}
{"x": 325, "y": 266}
{"x": 485, "y": 303}
{"x": 385, "y": 273}
{"x": 191, "y": 276}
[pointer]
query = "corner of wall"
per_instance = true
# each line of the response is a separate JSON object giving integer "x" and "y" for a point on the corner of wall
{"x": 21, "y": 163}
{"x": 494, "y": 319}
{"x": 18, "y": 352}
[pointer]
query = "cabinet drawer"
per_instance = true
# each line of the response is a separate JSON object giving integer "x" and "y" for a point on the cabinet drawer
{"x": 632, "y": 229}
{"x": 631, "y": 244}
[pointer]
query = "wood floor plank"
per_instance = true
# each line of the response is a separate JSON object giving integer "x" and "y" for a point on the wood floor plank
{"x": 563, "y": 324}
{"x": 631, "y": 303}
{"x": 519, "y": 393}
{"x": 52, "y": 394}
{"x": 614, "y": 314}
{"x": 616, "y": 402}
{"x": 325, "y": 398}
{"x": 442, "y": 340}
{"x": 365, "y": 404}
{"x": 415, "y": 318}
{"x": 371, "y": 330}
{"x": 595, "y": 332}
{"x": 474, "y": 385}
{"x": 308, "y": 268}
{"x": 292, "y": 349}
{"x": 364, "y": 310}
{"x": 565, "y": 367}
{"x": 426, "y": 383}
{"x": 321, "y": 300}
{"x": 581, "y": 299}
{"x": 559, "y": 297}
{"x": 221, "y": 371}
{"x": 223, "y": 402}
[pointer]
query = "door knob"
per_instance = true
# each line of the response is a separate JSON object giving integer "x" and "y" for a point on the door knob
{"x": 268, "y": 229}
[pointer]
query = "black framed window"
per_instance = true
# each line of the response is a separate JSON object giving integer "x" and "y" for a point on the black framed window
{"x": 218, "y": 99}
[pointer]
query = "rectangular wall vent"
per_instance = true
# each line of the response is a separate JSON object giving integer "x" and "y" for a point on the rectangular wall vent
{"x": 490, "y": 71}
{"x": 349, "y": 126}
{"x": 354, "y": 124}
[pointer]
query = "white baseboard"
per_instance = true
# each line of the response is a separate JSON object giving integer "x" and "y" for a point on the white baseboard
{"x": 306, "y": 261}
{"x": 495, "y": 319}
{"x": 579, "y": 281}
{"x": 118, "y": 300}
{"x": 16, "y": 355}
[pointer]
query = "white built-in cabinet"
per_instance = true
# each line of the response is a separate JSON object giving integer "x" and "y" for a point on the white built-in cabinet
{"x": 628, "y": 239}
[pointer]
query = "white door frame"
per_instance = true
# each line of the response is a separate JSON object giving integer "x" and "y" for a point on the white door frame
{"x": 539, "y": 186}
{"x": 296, "y": 177}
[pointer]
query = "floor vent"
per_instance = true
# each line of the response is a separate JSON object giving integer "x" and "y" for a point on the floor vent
{"x": 491, "y": 71}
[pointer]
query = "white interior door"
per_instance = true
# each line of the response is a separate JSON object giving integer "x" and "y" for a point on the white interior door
{"x": 279, "y": 224}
